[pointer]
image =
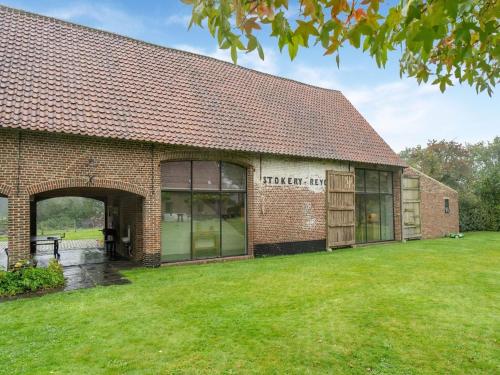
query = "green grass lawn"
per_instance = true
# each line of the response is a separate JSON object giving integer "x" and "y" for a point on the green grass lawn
{"x": 71, "y": 234}
{"x": 79, "y": 234}
{"x": 424, "y": 307}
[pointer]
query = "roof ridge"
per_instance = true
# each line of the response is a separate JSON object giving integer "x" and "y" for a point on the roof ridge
{"x": 140, "y": 41}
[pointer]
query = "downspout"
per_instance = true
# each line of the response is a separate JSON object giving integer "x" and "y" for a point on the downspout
{"x": 18, "y": 182}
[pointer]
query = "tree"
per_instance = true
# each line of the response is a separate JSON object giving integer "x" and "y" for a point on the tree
{"x": 448, "y": 162}
{"x": 439, "y": 40}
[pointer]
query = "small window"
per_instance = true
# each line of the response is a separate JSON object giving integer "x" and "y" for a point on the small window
{"x": 446, "y": 206}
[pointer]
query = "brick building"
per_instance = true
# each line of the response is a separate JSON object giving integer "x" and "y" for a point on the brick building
{"x": 430, "y": 208}
{"x": 194, "y": 158}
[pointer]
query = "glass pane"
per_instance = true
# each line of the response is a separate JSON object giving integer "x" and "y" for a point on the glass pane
{"x": 372, "y": 182}
{"x": 386, "y": 217}
{"x": 360, "y": 219}
{"x": 175, "y": 226}
{"x": 176, "y": 175}
{"x": 233, "y": 177}
{"x": 233, "y": 224}
{"x": 206, "y": 225}
{"x": 206, "y": 175}
{"x": 372, "y": 218}
{"x": 360, "y": 180}
{"x": 386, "y": 182}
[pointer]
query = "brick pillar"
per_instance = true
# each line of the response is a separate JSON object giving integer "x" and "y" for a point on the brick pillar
{"x": 151, "y": 230}
{"x": 19, "y": 228}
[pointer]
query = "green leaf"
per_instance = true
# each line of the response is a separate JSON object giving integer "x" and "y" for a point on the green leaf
{"x": 225, "y": 45}
{"x": 260, "y": 50}
{"x": 354, "y": 37}
{"x": 252, "y": 43}
{"x": 234, "y": 54}
{"x": 293, "y": 48}
{"x": 451, "y": 7}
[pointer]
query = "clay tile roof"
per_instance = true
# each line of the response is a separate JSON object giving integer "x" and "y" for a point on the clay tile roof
{"x": 61, "y": 77}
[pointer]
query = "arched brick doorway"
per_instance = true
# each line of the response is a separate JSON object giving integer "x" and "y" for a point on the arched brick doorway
{"x": 123, "y": 216}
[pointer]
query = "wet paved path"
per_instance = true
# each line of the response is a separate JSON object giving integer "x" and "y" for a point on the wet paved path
{"x": 88, "y": 267}
{"x": 84, "y": 267}
{"x": 90, "y": 275}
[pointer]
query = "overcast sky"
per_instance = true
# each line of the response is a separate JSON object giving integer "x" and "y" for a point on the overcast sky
{"x": 402, "y": 112}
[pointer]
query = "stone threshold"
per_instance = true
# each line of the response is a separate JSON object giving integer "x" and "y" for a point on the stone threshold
{"x": 206, "y": 261}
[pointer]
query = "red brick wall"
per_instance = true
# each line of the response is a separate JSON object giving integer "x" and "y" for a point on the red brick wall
{"x": 46, "y": 162}
{"x": 435, "y": 222}
{"x": 126, "y": 170}
{"x": 34, "y": 163}
{"x": 288, "y": 211}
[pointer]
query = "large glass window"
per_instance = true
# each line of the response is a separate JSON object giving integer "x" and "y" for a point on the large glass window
{"x": 206, "y": 225}
{"x": 233, "y": 224}
{"x": 209, "y": 219}
{"x": 176, "y": 225}
{"x": 374, "y": 206}
{"x": 360, "y": 218}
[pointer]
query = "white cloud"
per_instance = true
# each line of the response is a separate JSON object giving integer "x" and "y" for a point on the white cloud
{"x": 178, "y": 20}
{"x": 403, "y": 113}
{"x": 326, "y": 78}
{"x": 248, "y": 60}
{"x": 100, "y": 15}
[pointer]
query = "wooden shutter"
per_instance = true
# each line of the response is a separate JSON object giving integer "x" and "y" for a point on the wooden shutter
{"x": 340, "y": 208}
{"x": 412, "y": 227}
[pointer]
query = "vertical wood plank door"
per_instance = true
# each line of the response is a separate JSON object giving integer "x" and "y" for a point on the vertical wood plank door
{"x": 412, "y": 226}
{"x": 340, "y": 194}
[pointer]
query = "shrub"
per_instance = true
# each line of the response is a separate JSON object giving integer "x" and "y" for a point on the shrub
{"x": 27, "y": 278}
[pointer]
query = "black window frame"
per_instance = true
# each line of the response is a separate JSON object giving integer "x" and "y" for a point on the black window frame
{"x": 219, "y": 192}
{"x": 446, "y": 205}
{"x": 380, "y": 195}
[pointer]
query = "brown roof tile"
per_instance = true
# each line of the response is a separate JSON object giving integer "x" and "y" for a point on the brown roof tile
{"x": 61, "y": 77}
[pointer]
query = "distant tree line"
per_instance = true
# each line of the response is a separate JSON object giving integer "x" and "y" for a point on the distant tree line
{"x": 67, "y": 213}
{"x": 472, "y": 169}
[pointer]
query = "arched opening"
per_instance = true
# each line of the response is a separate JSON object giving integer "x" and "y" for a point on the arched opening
{"x": 83, "y": 225}
{"x": 204, "y": 210}
{"x": 4, "y": 208}
{"x": 79, "y": 219}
